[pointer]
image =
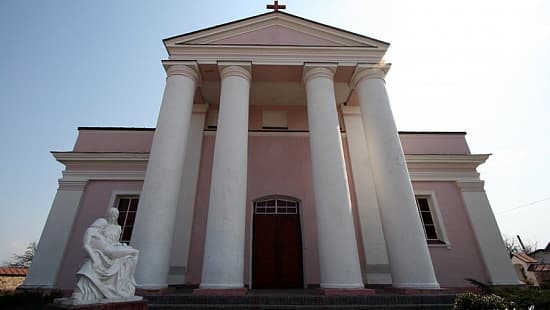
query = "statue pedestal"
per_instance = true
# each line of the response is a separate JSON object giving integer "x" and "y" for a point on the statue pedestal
{"x": 67, "y": 303}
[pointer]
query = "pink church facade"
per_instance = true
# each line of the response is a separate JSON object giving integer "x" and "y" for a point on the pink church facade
{"x": 258, "y": 175}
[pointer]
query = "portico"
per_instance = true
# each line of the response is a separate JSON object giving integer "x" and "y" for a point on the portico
{"x": 276, "y": 162}
{"x": 258, "y": 76}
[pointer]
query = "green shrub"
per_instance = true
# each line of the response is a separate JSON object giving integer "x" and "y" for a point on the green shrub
{"x": 527, "y": 296}
{"x": 471, "y": 301}
{"x": 27, "y": 300}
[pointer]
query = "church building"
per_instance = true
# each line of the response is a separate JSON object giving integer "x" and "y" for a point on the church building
{"x": 276, "y": 163}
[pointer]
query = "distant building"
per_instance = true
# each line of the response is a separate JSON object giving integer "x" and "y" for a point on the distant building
{"x": 11, "y": 278}
{"x": 530, "y": 270}
{"x": 276, "y": 163}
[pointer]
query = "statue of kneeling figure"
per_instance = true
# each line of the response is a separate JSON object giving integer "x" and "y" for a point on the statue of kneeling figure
{"x": 107, "y": 274}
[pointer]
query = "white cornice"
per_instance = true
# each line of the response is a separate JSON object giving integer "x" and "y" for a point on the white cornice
{"x": 66, "y": 157}
{"x": 445, "y": 161}
{"x": 456, "y": 168}
{"x": 111, "y": 175}
{"x": 275, "y": 55}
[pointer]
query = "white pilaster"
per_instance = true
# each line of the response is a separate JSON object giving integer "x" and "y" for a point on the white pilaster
{"x": 223, "y": 266}
{"x": 186, "y": 205}
{"x": 154, "y": 226}
{"x": 338, "y": 255}
{"x": 493, "y": 252}
{"x": 408, "y": 254}
{"x": 376, "y": 257}
{"x": 53, "y": 242}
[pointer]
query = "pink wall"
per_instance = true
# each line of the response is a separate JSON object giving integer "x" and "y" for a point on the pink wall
{"x": 276, "y": 35}
{"x": 93, "y": 204}
{"x": 463, "y": 259}
{"x": 277, "y": 165}
{"x": 114, "y": 140}
{"x": 139, "y": 140}
{"x": 434, "y": 143}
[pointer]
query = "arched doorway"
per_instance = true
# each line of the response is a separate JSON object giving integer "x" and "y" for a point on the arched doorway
{"x": 277, "y": 244}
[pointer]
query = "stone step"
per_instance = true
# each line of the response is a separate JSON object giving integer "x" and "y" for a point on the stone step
{"x": 302, "y": 300}
{"x": 299, "y": 307}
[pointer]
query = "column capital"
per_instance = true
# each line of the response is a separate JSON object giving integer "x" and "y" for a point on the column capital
{"x": 315, "y": 70}
{"x": 471, "y": 186}
{"x": 350, "y": 110}
{"x": 369, "y": 71}
{"x": 240, "y": 69}
{"x": 200, "y": 108}
{"x": 189, "y": 69}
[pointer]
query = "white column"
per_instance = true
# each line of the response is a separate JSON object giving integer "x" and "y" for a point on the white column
{"x": 338, "y": 255}
{"x": 53, "y": 242}
{"x": 410, "y": 261}
{"x": 186, "y": 205}
{"x": 493, "y": 252}
{"x": 154, "y": 226}
{"x": 223, "y": 265}
{"x": 376, "y": 255}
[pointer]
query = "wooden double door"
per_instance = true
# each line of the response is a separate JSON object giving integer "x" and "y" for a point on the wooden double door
{"x": 277, "y": 245}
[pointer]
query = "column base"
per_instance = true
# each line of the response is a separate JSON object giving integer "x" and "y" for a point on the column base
{"x": 417, "y": 291}
{"x": 346, "y": 291}
{"x": 220, "y": 292}
{"x": 144, "y": 291}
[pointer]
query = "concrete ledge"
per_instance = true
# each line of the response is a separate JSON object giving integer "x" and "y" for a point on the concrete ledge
{"x": 220, "y": 292}
{"x": 346, "y": 291}
{"x": 417, "y": 291}
{"x": 127, "y": 305}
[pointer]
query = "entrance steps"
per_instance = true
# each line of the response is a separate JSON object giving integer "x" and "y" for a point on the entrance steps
{"x": 299, "y": 299}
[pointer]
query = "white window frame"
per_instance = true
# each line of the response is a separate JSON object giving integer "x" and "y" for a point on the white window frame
{"x": 115, "y": 195}
{"x": 436, "y": 217}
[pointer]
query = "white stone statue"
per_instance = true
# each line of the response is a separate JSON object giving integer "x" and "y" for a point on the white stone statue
{"x": 107, "y": 274}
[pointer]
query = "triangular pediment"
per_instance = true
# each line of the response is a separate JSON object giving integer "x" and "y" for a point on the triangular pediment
{"x": 275, "y": 29}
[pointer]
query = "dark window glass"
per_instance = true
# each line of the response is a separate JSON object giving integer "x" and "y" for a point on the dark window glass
{"x": 430, "y": 232}
{"x": 127, "y": 207}
{"x": 427, "y": 219}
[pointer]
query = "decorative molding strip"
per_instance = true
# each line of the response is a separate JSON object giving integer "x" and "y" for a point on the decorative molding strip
{"x": 72, "y": 185}
{"x": 471, "y": 161}
{"x": 65, "y": 157}
{"x": 82, "y": 176}
{"x": 276, "y": 55}
{"x": 444, "y": 176}
{"x": 471, "y": 186}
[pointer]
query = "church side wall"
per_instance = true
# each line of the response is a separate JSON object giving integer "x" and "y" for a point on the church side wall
{"x": 461, "y": 259}
{"x": 96, "y": 199}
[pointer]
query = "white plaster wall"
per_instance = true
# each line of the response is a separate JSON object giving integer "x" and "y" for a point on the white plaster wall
{"x": 494, "y": 254}
{"x": 184, "y": 215}
{"x": 377, "y": 265}
{"x": 51, "y": 247}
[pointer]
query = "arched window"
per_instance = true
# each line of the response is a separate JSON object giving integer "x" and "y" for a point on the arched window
{"x": 276, "y": 205}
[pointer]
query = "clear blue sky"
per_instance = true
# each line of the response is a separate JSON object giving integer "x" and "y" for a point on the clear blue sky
{"x": 481, "y": 67}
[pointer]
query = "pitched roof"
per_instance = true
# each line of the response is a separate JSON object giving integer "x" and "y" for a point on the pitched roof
{"x": 526, "y": 258}
{"x": 13, "y": 272}
{"x": 539, "y": 267}
{"x": 275, "y": 15}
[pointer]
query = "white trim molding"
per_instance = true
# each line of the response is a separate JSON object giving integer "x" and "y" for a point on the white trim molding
{"x": 436, "y": 216}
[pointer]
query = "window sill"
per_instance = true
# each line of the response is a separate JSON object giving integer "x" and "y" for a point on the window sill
{"x": 440, "y": 245}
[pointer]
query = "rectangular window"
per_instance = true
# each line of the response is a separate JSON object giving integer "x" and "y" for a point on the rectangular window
{"x": 429, "y": 223}
{"x": 212, "y": 119}
{"x": 274, "y": 120}
{"x": 127, "y": 208}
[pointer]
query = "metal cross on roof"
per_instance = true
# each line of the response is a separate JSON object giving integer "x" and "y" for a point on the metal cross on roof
{"x": 276, "y": 6}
